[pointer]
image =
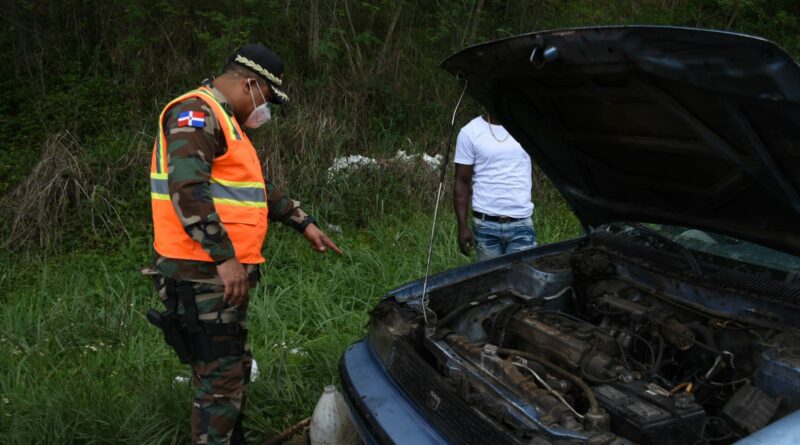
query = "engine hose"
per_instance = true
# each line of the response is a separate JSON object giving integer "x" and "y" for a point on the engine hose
{"x": 705, "y": 333}
{"x": 594, "y": 408}
{"x": 659, "y": 356}
{"x": 447, "y": 319}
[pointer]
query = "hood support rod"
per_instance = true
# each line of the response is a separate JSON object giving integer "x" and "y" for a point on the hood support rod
{"x": 442, "y": 176}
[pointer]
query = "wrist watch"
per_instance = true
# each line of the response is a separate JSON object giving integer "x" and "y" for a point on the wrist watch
{"x": 308, "y": 220}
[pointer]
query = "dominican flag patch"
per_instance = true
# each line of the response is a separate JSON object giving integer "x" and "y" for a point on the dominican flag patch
{"x": 195, "y": 119}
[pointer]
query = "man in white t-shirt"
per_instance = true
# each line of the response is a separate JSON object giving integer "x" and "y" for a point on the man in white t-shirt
{"x": 495, "y": 171}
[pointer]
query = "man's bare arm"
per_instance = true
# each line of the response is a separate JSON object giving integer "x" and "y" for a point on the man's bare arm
{"x": 462, "y": 194}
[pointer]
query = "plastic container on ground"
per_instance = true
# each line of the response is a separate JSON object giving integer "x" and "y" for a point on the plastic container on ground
{"x": 331, "y": 423}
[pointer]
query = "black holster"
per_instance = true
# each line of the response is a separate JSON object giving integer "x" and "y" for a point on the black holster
{"x": 170, "y": 325}
{"x": 191, "y": 338}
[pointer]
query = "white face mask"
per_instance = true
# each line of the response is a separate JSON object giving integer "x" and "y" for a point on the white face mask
{"x": 260, "y": 114}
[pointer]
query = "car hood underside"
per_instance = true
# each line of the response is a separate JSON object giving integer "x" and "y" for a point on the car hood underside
{"x": 653, "y": 124}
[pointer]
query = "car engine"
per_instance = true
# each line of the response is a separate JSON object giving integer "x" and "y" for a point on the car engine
{"x": 579, "y": 347}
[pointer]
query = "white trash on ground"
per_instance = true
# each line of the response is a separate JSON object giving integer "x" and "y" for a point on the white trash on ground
{"x": 432, "y": 161}
{"x": 254, "y": 374}
{"x": 181, "y": 380}
{"x": 345, "y": 164}
{"x": 331, "y": 423}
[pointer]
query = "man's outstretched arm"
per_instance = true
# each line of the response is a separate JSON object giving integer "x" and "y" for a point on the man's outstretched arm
{"x": 286, "y": 211}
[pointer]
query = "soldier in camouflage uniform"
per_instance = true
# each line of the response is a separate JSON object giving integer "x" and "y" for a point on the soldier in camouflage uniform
{"x": 220, "y": 288}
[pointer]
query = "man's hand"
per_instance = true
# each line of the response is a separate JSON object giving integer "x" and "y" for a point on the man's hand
{"x": 319, "y": 241}
{"x": 235, "y": 280}
{"x": 465, "y": 240}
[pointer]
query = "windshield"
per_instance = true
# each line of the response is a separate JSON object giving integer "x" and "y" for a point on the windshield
{"x": 728, "y": 247}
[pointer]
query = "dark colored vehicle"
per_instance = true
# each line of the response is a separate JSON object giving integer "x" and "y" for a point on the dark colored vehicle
{"x": 674, "y": 319}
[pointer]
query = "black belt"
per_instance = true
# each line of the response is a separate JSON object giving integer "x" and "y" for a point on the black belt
{"x": 493, "y": 218}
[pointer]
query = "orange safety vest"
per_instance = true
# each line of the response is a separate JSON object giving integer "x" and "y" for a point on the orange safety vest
{"x": 237, "y": 188}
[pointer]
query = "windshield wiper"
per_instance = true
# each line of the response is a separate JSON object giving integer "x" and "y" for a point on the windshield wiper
{"x": 687, "y": 253}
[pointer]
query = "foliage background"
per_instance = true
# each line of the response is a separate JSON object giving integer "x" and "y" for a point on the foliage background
{"x": 84, "y": 80}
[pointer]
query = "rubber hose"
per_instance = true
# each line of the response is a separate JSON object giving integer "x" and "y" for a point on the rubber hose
{"x": 659, "y": 356}
{"x": 704, "y": 331}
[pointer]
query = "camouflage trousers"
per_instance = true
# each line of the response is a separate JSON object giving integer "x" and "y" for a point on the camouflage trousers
{"x": 220, "y": 386}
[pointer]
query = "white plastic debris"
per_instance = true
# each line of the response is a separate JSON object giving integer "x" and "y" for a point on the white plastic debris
{"x": 347, "y": 163}
{"x": 401, "y": 155}
{"x": 181, "y": 380}
{"x": 299, "y": 351}
{"x": 433, "y": 161}
{"x": 331, "y": 423}
{"x": 254, "y": 373}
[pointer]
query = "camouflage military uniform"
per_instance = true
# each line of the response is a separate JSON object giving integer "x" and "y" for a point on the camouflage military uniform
{"x": 220, "y": 385}
{"x": 190, "y": 153}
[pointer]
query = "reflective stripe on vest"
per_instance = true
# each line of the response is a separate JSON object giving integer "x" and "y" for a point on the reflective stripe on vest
{"x": 245, "y": 194}
{"x": 236, "y": 185}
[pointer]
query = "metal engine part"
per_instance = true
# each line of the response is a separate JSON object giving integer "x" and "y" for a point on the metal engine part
{"x": 677, "y": 334}
{"x": 505, "y": 370}
{"x": 571, "y": 343}
{"x": 538, "y": 400}
{"x": 779, "y": 372}
{"x": 750, "y": 408}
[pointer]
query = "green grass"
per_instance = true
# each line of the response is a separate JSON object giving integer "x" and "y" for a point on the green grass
{"x": 80, "y": 364}
{"x": 78, "y": 361}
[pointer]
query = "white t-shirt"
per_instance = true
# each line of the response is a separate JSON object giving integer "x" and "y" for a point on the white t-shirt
{"x": 501, "y": 181}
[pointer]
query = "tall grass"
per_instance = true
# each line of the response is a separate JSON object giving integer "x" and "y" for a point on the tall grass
{"x": 80, "y": 364}
{"x": 78, "y": 361}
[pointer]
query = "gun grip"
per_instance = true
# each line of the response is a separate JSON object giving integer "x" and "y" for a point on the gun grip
{"x": 155, "y": 318}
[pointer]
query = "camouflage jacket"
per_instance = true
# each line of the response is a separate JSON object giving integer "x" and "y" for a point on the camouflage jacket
{"x": 191, "y": 152}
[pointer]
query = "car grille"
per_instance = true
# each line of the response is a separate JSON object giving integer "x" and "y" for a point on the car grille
{"x": 438, "y": 401}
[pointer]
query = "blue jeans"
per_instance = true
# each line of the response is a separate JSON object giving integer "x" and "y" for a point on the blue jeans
{"x": 493, "y": 239}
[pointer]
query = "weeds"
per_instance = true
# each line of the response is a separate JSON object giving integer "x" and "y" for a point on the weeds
{"x": 60, "y": 190}
{"x": 81, "y": 364}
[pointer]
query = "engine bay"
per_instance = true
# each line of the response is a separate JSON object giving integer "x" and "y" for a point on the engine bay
{"x": 580, "y": 348}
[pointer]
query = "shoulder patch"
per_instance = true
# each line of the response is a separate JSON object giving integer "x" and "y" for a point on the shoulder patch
{"x": 192, "y": 119}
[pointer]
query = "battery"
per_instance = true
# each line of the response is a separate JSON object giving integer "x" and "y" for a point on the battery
{"x": 647, "y": 414}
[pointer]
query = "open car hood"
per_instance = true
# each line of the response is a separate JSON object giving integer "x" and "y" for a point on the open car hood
{"x": 653, "y": 124}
